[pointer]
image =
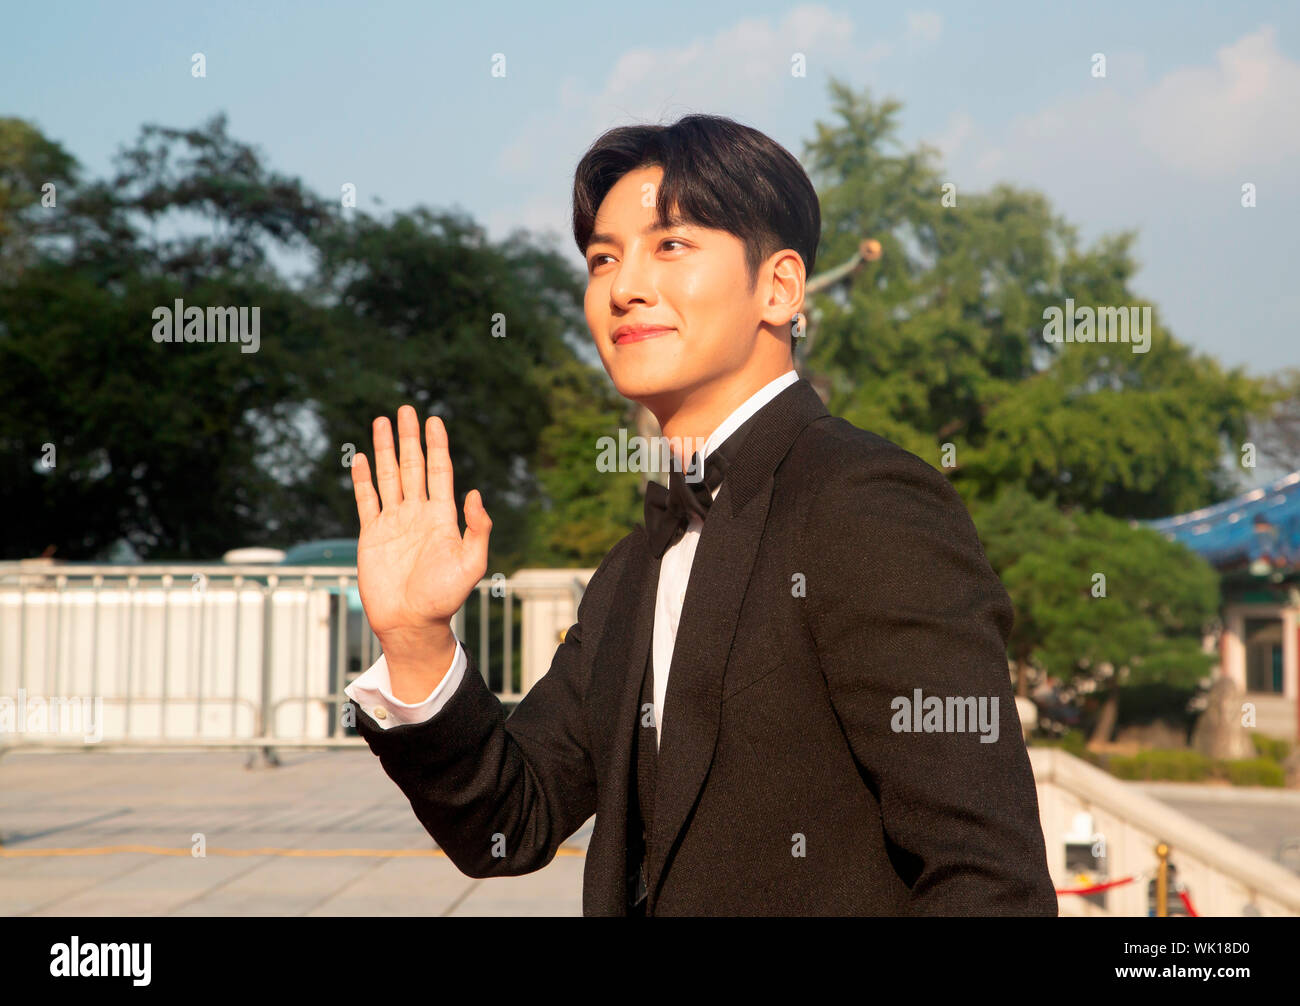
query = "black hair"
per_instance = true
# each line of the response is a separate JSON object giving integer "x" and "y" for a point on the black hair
{"x": 717, "y": 173}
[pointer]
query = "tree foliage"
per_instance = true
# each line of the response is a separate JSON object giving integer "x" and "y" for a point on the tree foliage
{"x": 941, "y": 346}
{"x": 184, "y": 450}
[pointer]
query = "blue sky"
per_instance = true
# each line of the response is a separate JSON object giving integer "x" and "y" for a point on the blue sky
{"x": 399, "y": 99}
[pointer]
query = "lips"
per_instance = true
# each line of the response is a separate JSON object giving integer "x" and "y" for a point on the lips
{"x": 638, "y": 333}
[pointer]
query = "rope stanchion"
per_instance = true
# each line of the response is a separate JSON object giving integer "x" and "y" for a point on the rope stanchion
{"x": 1180, "y": 890}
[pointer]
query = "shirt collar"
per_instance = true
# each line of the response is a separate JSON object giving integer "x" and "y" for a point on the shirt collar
{"x": 746, "y": 409}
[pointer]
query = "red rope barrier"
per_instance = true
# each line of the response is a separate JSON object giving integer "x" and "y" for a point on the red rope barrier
{"x": 1097, "y": 887}
{"x": 1183, "y": 896}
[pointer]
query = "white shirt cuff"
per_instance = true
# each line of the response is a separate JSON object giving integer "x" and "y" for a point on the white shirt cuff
{"x": 373, "y": 691}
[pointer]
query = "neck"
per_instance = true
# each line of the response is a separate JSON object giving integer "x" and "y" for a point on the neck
{"x": 688, "y": 417}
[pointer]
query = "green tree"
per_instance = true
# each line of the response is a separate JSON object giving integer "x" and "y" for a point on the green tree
{"x": 35, "y": 173}
{"x": 1097, "y": 600}
{"x": 1276, "y": 434}
{"x": 1118, "y": 605}
{"x": 582, "y": 512}
{"x": 1013, "y": 525}
{"x": 941, "y": 341}
{"x": 186, "y": 450}
{"x": 940, "y": 346}
{"x": 156, "y": 444}
{"x": 428, "y": 311}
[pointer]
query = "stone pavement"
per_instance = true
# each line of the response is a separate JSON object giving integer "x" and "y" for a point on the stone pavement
{"x": 320, "y": 800}
{"x": 314, "y": 800}
{"x": 1261, "y": 818}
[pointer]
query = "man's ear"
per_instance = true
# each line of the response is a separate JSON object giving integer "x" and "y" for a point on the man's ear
{"x": 784, "y": 278}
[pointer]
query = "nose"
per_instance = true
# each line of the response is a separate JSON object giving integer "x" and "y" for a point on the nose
{"x": 633, "y": 283}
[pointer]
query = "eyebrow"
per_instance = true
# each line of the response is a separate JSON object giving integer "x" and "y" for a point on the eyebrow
{"x": 648, "y": 229}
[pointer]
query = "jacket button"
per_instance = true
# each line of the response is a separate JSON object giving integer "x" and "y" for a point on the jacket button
{"x": 381, "y": 713}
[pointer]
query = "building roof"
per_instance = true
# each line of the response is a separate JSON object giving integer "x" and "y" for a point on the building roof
{"x": 1260, "y": 526}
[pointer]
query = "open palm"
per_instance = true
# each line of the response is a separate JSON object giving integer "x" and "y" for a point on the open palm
{"x": 414, "y": 568}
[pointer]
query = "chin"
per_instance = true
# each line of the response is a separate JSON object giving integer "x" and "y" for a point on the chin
{"x": 641, "y": 384}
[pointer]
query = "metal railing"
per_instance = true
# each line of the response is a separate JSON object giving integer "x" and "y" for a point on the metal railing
{"x": 1127, "y": 827}
{"x": 210, "y": 656}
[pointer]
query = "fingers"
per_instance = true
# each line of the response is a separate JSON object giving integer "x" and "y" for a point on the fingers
{"x": 441, "y": 492}
{"x": 367, "y": 500}
{"x": 390, "y": 487}
{"x": 407, "y": 481}
{"x": 408, "y": 433}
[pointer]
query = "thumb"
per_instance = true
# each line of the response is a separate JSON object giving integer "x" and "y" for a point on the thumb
{"x": 478, "y": 526}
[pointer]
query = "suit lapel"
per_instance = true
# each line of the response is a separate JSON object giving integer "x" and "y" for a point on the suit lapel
{"x": 614, "y": 696}
{"x": 724, "y": 560}
{"x": 615, "y": 692}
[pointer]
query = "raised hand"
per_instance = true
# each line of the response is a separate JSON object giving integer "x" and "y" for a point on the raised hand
{"x": 414, "y": 569}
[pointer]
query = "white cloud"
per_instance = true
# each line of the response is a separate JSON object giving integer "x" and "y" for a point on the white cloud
{"x": 960, "y": 128}
{"x": 742, "y": 71}
{"x": 743, "y": 67}
{"x": 1167, "y": 157}
{"x": 924, "y": 26}
{"x": 1229, "y": 118}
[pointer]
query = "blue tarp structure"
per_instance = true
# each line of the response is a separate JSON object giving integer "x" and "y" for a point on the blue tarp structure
{"x": 323, "y": 552}
{"x": 1262, "y": 525}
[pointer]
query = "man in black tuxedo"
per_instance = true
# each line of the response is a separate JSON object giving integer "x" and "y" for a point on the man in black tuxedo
{"x": 788, "y": 693}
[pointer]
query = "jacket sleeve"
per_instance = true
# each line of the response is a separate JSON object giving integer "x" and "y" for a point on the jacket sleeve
{"x": 499, "y": 795}
{"x": 901, "y": 598}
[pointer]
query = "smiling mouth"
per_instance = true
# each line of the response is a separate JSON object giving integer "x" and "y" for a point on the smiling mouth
{"x": 640, "y": 336}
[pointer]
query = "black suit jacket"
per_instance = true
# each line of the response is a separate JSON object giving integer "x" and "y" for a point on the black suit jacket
{"x": 834, "y": 573}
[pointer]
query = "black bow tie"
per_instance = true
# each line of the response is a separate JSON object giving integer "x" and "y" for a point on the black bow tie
{"x": 668, "y": 511}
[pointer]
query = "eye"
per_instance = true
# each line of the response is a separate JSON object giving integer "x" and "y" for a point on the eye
{"x": 595, "y": 259}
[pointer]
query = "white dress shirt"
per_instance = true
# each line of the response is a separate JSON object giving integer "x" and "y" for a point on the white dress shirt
{"x": 373, "y": 689}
